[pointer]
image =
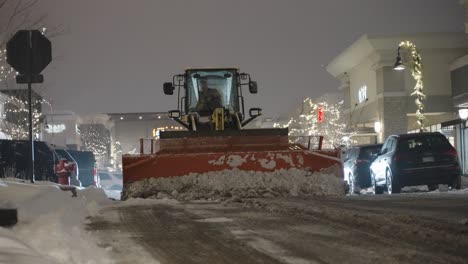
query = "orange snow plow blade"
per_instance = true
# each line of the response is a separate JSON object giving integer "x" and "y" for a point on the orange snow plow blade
{"x": 264, "y": 150}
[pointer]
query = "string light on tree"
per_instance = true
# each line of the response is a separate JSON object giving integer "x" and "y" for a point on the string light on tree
{"x": 319, "y": 119}
{"x": 20, "y": 14}
{"x": 13, "y": 115}
{"x": 116, "y": 156}
{"x": 416, "y": 72}
{"x": 95, "y": 138}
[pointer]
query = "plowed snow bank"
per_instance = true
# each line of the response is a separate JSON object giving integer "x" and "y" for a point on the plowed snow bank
{"x": 237, "y": 183}
{"x": 51, "y": 224}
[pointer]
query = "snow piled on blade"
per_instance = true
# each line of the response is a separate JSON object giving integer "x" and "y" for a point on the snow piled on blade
{"x": 51, "y": 224}
{"x": 237, "y": 183}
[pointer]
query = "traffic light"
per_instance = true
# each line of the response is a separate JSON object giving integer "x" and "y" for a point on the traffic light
{"x": 320, "y": 114}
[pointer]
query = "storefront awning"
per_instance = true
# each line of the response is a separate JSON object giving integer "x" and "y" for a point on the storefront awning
{"x": 361, "y": 130}
{"x": 452, "y": 122}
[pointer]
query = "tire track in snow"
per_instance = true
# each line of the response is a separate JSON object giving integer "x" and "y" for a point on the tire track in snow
{"x": 173, "y": 236}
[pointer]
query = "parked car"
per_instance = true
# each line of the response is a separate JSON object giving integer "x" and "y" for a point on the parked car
{"x": 15, "y": 157}
{"x": 356, "y": 166}
{"x": 415, "y": 159}
{"x": 87, "y": 170}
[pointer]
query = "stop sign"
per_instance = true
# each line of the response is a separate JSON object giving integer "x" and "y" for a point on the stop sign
{"x": 29, "y": 52}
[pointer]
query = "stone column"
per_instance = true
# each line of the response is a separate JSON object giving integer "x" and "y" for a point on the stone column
{"x": 345, "y": 89}
{"x": 395, "y": 120}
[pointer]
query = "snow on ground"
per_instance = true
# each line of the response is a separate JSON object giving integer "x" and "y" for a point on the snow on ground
{"x": 12, "y": 250}
{"x": 235, "y": 184}
{"x": 423, "y": 189}
{"x": 143, "y": 201}
{"x": 50, "y": 225}
{"x": 113, "y": 194}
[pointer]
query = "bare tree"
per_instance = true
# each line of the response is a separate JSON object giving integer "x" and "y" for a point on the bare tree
{"x": 16, "y": 15}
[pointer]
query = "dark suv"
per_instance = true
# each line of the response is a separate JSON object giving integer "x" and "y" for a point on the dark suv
{"x": 415, "y": 159}
{"x": 14, "y": 160}
{"x": 356, "y": 166}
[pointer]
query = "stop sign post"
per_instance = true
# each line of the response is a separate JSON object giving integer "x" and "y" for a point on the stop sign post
{"x": 29, "y": 52}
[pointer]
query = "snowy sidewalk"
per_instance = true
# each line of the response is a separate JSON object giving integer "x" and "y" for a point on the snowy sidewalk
{"x": 51, "y": 223}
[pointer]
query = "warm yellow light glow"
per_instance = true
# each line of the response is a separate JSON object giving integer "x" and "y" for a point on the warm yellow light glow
{"x": 400, "y": 67}
{"x": 416, "y": 72}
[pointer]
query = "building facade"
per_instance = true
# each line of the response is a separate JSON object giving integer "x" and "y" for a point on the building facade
{"x": 377, "y": 99}
{"x": 459, "y": 78}
{"x": 107, "y": 135}
{"x": 129, "y": 128}
{"x": 62, "y": 130}
{"x": 458, "y": 124}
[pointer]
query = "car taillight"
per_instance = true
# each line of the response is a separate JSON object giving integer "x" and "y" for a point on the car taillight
{"x": 400, "y": 157}
{"x": 451, "y": 152}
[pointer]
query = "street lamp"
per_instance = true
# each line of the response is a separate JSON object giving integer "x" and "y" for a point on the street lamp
{"x": 416, "y": 72}
{"x": 399, "y": 66}
{"x": 463, "y": 113}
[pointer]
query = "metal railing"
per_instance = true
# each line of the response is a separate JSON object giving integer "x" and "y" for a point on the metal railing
{"x": 149, "y": 146}
{"x": 307, "y": 142}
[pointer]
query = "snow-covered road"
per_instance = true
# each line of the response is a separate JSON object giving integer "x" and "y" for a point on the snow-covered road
{"x": 406, "y": 228}
{"x": 85, "y": 227}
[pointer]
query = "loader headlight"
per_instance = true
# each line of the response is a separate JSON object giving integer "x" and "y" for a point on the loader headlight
{"x": 255, "y": 112}
{"x": 174, "y": 114}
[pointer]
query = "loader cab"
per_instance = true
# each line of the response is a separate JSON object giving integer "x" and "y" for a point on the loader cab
{"x": 204, "y": 90}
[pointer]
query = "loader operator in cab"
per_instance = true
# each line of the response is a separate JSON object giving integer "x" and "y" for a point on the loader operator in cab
{"x": 209, "y": 99}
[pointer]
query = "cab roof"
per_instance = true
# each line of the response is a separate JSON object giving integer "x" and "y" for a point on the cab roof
{"x": 212, "y": 69}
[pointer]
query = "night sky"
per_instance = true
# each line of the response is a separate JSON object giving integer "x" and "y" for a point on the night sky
{"x": 114, "y": 55}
